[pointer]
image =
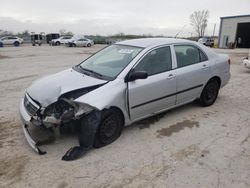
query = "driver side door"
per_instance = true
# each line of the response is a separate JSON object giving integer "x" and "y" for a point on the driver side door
{"x": 157, "y": 92}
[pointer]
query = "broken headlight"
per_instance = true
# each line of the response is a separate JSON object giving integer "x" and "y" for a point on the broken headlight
{"x": 65, "y": 110}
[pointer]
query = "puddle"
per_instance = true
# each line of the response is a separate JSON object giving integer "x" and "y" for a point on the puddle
{"x": 145, "y": 123}
{"x": 176, "y": 128}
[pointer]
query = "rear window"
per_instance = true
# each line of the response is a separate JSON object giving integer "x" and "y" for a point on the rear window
{"x": 188, "y": 55}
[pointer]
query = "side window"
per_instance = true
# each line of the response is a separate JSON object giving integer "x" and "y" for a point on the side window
{"x": 188, "y": 55}
{"x": 203, "y": 57}
{"x": 156, "y": 61}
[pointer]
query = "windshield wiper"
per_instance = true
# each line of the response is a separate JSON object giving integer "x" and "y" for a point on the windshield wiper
{"x": 91, "y": 71}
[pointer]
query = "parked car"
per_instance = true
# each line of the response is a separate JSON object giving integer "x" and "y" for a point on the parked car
{"x": 62, "y": 40}
{"x": 80, "y": 42}
{"x": 207, "y": 41}
{"x": 11, "y": 40}
{"x": 121, "y": 84}
{"x": 246, "y": 61}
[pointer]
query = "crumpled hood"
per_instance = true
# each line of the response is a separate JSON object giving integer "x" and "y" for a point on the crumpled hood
{"x": 48, "y": 89}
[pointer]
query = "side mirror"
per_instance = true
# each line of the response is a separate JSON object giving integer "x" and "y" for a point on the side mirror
{"x": 132, "y": 76}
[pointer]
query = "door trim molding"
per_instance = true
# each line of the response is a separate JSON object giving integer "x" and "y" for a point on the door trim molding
{"x": 170, "y": 95}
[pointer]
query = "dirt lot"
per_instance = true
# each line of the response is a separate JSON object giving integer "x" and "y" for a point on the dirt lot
{"x": 187, "y": 147}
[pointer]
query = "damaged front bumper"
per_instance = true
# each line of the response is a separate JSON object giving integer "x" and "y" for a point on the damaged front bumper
{"x": 31, "y": 142}
{"x": 25, "y": 117}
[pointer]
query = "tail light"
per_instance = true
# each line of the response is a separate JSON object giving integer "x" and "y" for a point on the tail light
{"x": 229, "y": 61}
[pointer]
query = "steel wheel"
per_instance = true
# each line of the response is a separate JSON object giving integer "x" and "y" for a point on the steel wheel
{"x": 109, "y": 129}
{"x": 209, "y": 93}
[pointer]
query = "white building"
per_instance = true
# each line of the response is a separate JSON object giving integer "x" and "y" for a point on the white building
{"x": 235, "y": 29}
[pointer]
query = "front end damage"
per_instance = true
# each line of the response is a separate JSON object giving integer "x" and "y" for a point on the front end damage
{"x": 56, "y": 115}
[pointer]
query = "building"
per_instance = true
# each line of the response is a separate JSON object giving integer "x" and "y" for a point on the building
{"x": 234, "y": 30}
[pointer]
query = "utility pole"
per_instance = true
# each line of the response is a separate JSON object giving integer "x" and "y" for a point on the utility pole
{"x": 214, "y": 29}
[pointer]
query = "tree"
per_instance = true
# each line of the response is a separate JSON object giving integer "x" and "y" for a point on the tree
{"x": 199, "y": 21}
{"x": 64, "y": 32}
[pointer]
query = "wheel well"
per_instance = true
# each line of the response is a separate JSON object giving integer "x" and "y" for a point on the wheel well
{"x": 217, "y": 78}
{"x": 120, "y": 112}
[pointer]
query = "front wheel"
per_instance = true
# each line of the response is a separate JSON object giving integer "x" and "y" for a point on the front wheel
{"x": 209, "y": 93}
{"x": 88, "y": 45}
{"x": 109, "y": 129}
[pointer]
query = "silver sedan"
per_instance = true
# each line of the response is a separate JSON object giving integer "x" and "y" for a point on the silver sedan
{"x": 121, "y": 84}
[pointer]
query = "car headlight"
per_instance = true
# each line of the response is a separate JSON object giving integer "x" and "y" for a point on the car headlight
{"x": 79, "y": 108}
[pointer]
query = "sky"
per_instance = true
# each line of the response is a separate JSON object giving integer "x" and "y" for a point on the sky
{"x": 108, "y": 17}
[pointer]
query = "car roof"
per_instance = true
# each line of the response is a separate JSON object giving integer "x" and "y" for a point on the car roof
{"x": 151, "y": 42}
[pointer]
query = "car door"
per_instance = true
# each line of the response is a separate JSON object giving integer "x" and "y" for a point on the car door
{"x": 157, "y": 92}
{"x": 84, "y": 42}
{"x": 193, "y": 71}
{"x": 9, "y": 40}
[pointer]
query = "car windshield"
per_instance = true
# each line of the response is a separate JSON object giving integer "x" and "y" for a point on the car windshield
{"x": 110, "y": 61}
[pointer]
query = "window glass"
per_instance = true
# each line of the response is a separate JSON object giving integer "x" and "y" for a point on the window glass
{"x": 156, "y": 61}
{"x": 203, "y": 57}
{"x": 110, "y": 61}
{"x": 188, "y": 55}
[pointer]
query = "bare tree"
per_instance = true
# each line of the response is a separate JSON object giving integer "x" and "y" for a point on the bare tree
{"x": 64, "y": 32}
{"x": 199, "y": 21}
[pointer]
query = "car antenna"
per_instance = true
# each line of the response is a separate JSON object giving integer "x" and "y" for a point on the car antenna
{"x": 180, "y": 31}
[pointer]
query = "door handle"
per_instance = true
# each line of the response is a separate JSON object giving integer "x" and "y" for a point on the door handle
{"x": 170, "y": 76}
{"x": 204, "y": 66}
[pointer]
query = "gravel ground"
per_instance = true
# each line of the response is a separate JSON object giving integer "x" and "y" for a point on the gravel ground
{"x": 189, "y": 146}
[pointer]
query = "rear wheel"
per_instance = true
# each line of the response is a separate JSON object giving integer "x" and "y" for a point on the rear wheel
{"x": 73, "y": 44}
{"x": 58, "y": 43}
{"x": 209, "y": 93}
{"x": 109, "y": 129}
{"x": 88, "y": 45}
{"x": 16, "y": 43}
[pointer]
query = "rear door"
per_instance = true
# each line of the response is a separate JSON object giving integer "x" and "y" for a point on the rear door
{"x": 157, "y": 92}
{"x": 193, "y": 71}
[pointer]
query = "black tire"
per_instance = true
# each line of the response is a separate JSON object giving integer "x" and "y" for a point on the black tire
{"x": 109, "y": 129}
{"x": 88, "y": 45}
{"x": 58, "y": 43}
{"x": 209, "y": 93}
{"x": 16, "y": 43}
{"x": 73, "y": 44}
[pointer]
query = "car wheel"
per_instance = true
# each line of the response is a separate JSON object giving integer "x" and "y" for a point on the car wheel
{"x": 209, "y": 93}
{"x": 16, "y": 43}
{"x": 109, "y": 129}
{"x": 74, "y": 45}
{"x": 58, "y": 43}
{"x": 88, "y": 45}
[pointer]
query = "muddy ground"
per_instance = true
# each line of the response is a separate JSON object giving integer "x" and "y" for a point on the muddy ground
{"x": 189, "y": 146}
